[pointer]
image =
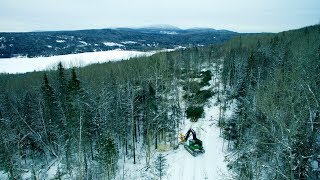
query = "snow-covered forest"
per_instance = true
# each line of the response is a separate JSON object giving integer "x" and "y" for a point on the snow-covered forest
{"x": 253, "y": 101}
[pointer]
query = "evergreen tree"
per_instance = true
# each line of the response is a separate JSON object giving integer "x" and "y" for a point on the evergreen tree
{"x": 194, "y": 113}
{"x": 53, "y": 115}
{"x": 108, "y": 154}
{"x": 62, "y": 86}
{"x": 10, "y": 128}
{"x": 74, "y": 120}
{"x": 161, "y": 166}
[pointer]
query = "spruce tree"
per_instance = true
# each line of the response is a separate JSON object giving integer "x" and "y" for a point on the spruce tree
{"x": 161, "y": 165}
{"x": 194, "y": 113}
{"x": 108, "y": 155}
{"x": 53, "y": 120}
{"x": 62, "y": 86}
{"x": 73, "y": 110}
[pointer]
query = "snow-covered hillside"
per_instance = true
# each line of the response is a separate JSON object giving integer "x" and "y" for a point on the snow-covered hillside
{"x": 24, "y": 64}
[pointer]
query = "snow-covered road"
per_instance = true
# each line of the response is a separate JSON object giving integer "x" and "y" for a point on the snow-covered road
{"x": 211, "y": 164}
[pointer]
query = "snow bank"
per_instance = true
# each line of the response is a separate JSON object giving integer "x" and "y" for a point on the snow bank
{"x": 129, "y": 42}
{"x": 60, "y": 41}
{"x": 83, "y": 42}
{"x": 3, "y": 175}
{"x": 24, "y": 64}
{"x": 113, "y": 44}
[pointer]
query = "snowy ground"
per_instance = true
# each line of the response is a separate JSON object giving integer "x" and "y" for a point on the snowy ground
{"x": 24, "y": 64}
{"x": 211, "y": 165}
{"x": 3, "y": 175}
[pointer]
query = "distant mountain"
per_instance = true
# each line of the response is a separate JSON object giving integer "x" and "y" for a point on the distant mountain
{"x": 161, "y": 29}
{"x": 161, "y": 26}
{"x": 48, "y": 43}
{"x": 168, "y": 29}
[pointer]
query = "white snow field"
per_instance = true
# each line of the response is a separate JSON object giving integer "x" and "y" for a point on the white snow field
{"x": 24, "y": 64}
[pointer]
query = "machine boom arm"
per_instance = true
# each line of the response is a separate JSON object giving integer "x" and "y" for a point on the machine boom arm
{"x": 194, "y": 136}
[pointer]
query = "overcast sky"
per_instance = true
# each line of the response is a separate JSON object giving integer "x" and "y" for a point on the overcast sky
{"x": 237, "y": 15}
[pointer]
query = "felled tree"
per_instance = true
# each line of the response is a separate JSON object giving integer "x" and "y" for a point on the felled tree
{"x": 194, "y": 113}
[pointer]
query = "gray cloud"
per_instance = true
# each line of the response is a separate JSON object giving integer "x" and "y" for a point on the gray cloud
{"x": 243, "y": 16}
